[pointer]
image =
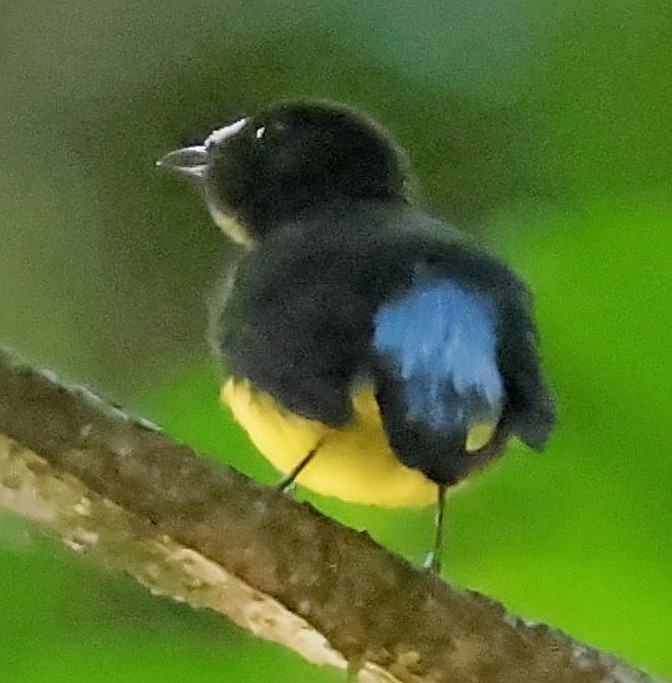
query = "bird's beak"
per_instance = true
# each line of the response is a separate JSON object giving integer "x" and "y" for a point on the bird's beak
{"x": 190, "y": 162}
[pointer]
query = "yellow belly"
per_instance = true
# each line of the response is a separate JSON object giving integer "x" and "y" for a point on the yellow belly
{"x": 354, "y": 463}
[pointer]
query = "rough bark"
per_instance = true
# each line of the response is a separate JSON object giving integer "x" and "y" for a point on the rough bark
{"x": 193, "y": 530}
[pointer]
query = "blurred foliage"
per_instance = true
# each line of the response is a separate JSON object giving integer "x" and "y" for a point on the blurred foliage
{"x": 542, "y": 127}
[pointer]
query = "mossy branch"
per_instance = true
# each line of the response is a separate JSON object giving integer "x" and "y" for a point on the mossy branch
{"x": 188, "y": 528}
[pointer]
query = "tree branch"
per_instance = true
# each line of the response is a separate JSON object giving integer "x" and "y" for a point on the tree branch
{"x": 190, "y": 529}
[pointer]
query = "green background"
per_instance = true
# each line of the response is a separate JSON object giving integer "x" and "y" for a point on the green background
{"x": 543, "y": 128}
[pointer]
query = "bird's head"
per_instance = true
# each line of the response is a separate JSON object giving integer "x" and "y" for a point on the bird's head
{"x": 289, "y": 159}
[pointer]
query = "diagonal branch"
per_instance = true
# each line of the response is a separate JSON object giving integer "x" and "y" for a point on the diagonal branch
{"x": 188, "y": 528}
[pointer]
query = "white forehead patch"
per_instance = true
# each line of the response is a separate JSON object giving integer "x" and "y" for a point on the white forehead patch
{"x": 221, "y": 134}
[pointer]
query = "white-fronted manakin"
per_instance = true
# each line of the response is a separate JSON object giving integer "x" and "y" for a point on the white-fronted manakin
{"x": 373, "y": 352}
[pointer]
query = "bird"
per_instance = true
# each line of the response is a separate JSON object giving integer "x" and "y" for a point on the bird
{"x": 372, "y": 351}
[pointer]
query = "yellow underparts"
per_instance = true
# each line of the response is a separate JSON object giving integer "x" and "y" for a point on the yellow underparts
{"x": 354, "y": 463}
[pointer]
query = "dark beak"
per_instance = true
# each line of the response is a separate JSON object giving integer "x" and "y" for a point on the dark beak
{"x": 190, "y": 162}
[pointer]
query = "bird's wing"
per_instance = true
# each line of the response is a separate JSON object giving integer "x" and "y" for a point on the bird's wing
{"x": 438, "y": 384}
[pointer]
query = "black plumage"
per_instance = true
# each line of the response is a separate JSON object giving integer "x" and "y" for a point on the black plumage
{"x": 344, "y": 283}
{"x": 299, "y": 322}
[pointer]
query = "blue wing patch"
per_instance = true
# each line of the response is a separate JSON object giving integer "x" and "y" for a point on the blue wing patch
{"x": 442, "y": 340}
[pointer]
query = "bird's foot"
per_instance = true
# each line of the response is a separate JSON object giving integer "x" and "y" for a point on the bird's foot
{"x": 287, "y": 485}
{"x": 433, "y": 563}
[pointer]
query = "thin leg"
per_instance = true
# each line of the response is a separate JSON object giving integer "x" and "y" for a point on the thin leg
{"x": 433, "y": 562}
{"x": 287, "y": 482}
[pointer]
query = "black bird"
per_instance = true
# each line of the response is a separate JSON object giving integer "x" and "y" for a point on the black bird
{"x": 373, "y": 352}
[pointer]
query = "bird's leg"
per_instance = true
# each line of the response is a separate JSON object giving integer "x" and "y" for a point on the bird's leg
{"x": 433, "y": 561}
{"x": 287, "y": 482}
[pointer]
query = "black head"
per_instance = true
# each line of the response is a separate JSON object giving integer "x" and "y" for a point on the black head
{"x": 289, "y": 159}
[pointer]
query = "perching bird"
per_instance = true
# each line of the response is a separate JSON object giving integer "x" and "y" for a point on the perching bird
{"x": 373, "y": 352}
